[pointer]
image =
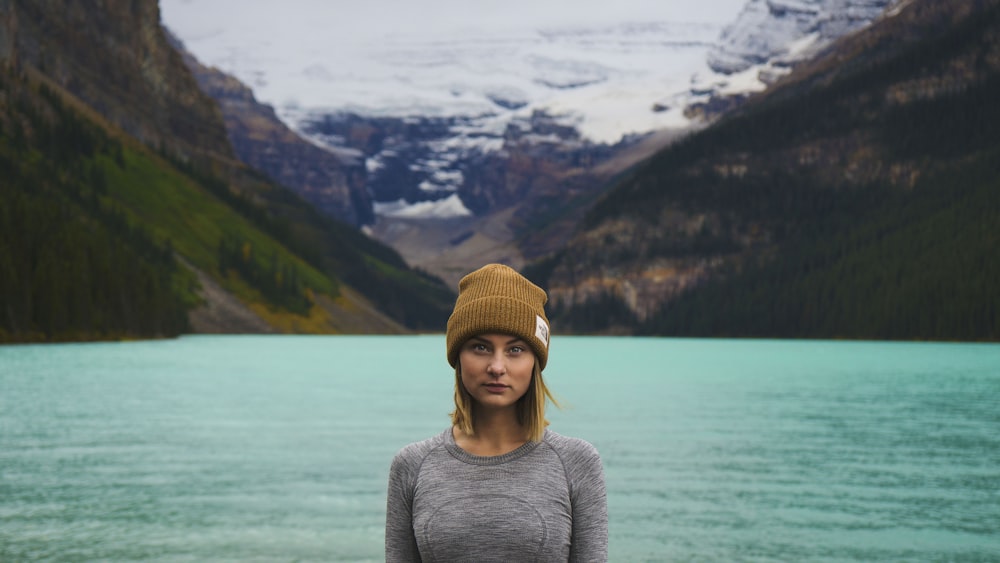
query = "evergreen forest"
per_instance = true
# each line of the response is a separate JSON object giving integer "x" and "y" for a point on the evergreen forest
{"x": 889, "y": 230}
{"x": 72, "y": 265}
{"x": 100, "y": 236}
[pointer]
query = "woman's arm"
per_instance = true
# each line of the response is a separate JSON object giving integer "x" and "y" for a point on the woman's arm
{"x": 400, "y": 543}
{"x": 590, "y": 507}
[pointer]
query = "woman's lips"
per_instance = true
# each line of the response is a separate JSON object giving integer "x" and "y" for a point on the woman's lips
{"x": 495, "y": 387}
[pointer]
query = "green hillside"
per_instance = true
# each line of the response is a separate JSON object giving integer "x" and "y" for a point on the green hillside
{"x": 93, "y": 224}
{"x": 73, "y": 264}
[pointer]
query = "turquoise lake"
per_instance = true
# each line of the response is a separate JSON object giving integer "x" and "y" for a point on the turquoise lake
{"x": 277, "y": 448}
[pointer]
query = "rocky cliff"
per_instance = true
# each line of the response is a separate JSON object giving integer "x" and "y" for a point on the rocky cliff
{"x": 114, "y": 56}
{"x": 333, "y": 181}
{"x": 782, "y": 31}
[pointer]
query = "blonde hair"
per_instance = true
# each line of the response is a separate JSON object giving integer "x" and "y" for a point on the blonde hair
{"x": 530, "y": 407}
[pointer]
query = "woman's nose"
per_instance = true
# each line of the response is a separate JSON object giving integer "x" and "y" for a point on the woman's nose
{"x": 496, "y": 367}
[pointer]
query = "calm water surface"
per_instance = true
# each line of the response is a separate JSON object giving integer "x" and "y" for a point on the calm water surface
{"x": 249, "y": 448}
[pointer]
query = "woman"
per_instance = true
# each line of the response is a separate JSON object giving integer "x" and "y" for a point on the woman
{"x": 497, "y": 485}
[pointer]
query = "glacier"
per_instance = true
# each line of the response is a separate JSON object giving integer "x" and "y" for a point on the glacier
{"x": 473, "y": 74}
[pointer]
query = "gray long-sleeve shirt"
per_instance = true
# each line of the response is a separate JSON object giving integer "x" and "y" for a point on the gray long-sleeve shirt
{"x": 544, "y": 501}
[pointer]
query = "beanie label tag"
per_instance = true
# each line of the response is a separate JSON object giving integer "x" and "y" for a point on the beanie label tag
{"x": 542, "y": 330}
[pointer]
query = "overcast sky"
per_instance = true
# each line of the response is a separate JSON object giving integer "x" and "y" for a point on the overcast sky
{"x": 370, "y": 19}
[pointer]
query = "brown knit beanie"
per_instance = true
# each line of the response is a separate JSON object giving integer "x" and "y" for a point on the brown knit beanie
{"x": 495, "y": 298}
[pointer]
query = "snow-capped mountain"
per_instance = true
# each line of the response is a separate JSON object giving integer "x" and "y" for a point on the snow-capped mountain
{"x": 429, "y": 101}
{"x": 778, "y": 32}
{"x": 606, "y": 64}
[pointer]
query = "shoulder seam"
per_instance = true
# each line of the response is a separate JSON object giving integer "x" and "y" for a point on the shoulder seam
{"x": 416, "y": 472}
{"x": 569, "y": 482}
{"x": 423, "y": 458}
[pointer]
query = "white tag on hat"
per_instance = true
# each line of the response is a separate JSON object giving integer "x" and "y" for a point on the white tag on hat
{"x": 542, "y": 330}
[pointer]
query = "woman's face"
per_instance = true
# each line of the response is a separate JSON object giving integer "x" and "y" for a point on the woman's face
{"x": 496, "y": 369}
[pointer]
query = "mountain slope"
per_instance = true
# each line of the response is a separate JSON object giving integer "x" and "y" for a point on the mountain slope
{"x": 105, "y": 239}
{"x": 334, "y": 183}
{"x": 112, "y": 56}
{"x": 856, "y": 199}
{"x": 160, "y": 229}
{"x": 72, "y": 264}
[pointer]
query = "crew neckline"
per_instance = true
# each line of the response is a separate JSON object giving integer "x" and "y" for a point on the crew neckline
{"x": 458, "y": 453}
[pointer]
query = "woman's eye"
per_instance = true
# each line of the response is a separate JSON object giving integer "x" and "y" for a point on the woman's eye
{"x": 516, "y": 349}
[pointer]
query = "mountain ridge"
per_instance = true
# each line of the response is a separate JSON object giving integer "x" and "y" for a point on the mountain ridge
{"x": 776, "y": 33}
{"x": 159, "y": 183}
{"x": 803, "y": 211}
{"x": 129, "y": 84}
{"x": 335, "y": 184}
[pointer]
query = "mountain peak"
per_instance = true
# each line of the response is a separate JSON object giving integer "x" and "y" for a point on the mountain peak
{"x": 773, "y": 30}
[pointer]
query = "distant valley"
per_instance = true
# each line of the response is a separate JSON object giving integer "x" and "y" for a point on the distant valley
{"x": 517, "y": 177}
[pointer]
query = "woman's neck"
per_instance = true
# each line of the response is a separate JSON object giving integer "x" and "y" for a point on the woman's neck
{"x": 497, "y": 433}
